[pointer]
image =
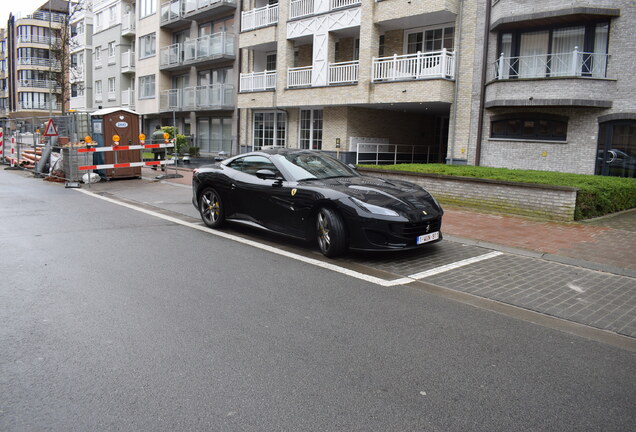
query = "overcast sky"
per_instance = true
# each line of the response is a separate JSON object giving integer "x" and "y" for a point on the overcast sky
{"x": 16, "y": 6}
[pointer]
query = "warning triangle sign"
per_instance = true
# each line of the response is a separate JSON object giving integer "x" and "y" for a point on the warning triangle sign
{"x": 50, "y": 129}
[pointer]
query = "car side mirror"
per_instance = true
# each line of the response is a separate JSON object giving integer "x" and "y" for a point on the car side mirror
{"x": 352, "y": 166}
{"x": 265, "y": 174}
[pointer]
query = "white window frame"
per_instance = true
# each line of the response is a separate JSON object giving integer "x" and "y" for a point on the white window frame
{"x": 312, "y": 131}
{"x": 111, "y": 52}
{"x": 147, "y": 8}
{"x": 112, "y": 88}
{"x": 145, "y": 41}
{"x": 423, "y": 30}
{"x": 276, "y": 137}
{"x": 144, "y": 84}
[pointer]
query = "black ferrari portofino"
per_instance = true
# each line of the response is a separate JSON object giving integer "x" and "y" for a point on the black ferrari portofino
{"x": 310, "y": 195}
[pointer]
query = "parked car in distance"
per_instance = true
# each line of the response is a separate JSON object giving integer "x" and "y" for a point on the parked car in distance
{"x": 312, "y": 196}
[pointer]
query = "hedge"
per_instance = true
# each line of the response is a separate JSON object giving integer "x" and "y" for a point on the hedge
{"x": 597, "y": 195}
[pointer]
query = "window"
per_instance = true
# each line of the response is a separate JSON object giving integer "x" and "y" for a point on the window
{"x": 111, "y": 52}
{"x": 111, "y": 88}
{"x": 381, "y": 46}
{"x": 99, "y": 21}
{"x": 214, "y": 134}
{"x": 428, "y": 40}
{"x": 74, "y": 90}
{"x": 561, "y": 51}
{"x": 252, "y": 164}
{"x": 311, "y": 129}
{"x": 147, "y": 46}
{"x": 269, "y": 129}
{"x": 112, "y": 15}
{"x": 147, "y": 7}
{"x": 529, "y": 127}
{"x": 98, "y": 91}
{"x": 270, "y": 62}
{"x": 147, "y": 87}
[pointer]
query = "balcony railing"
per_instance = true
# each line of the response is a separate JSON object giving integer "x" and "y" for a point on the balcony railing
{"x": 570, "y": 64}
{"x": 128, "y": 61}
{"x": 128, "y": 24}
{"x": 46, "y": 16}
{"x": 45, "y": 40}
{"x": 215, "y": 96}
{"x": 128, "y": 98}
{"x": 343, "y": 73}
{"x": 171, "y": 10}
{"x": 31, "y": 105}
{"x": 37, "y": 61}
{"x": 42, "y": 84}
{"x": 258, "y": 81}
{"x": 337, "y": 4}
{"x": 438, "y": 64}
{"x": 171, "y": 55}
{"x": 299, "y": 77}
{"x": 208, "y": 47}
{"x": 302, "y": 8}
{"x": 259, "y": 17}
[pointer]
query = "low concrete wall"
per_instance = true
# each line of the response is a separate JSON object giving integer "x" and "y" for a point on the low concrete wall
{"x": 548, "y": 202}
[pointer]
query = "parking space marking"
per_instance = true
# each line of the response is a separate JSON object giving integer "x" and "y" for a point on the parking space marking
{"x": 307, "y": 260}
{"x": 453, "y": 266}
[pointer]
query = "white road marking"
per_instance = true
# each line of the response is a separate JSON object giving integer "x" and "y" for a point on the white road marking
{"x": 301, "y": 258}
{"x": 453, "y": 266}
{"x": 578, "y": 289}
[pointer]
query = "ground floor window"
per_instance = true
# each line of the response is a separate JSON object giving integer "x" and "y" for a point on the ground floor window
{"x": 311, "y": 129}
{"x": 269, "y": 129}
{"x": 529, "y": 127}
{"x": 214, "y": 134}
{"x": 616, "y": 154}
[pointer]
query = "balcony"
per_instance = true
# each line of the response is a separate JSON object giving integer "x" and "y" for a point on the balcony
{"x": 303, "y": 8}
{"x": 204, "y": 49}
{"x": 38, "y": 61}
{"x": 259, "y": 17}
{"x": 419, "y": 66}
{"x": 128, "y": 24}
{"x": 258, "y": 81}
{"x": 210, "y": 97}
{"x": 39, "y": 106}
{"x": 128, "y": 98}
{"x": 173, "y": 11}
{"x": 339, "y": 73}
{"x": 570, "y": 64}
{"x": 128, "y": 62}
{"x": 42, "y": 40}
{"x": 39, "y": 84}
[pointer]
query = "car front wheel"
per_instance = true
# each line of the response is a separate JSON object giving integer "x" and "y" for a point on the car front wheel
{"x": 211, "y": 208}
{"x": 330, "y": 233}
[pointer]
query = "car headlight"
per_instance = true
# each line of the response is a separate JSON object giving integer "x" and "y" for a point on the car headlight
{"x": 374, "y": 208}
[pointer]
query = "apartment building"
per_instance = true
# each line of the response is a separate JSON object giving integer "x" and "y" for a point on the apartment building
{"x": 186, "y": 69}
{"x": 365, "y": 79}
{"x": 113, "y": 43}
{"x": 81, "y": 52}
{"x": 28, "y": 66}
{"x": 559, "y": 90}
{"x": 534, "y": 85}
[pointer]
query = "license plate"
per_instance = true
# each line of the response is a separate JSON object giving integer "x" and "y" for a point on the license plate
{"x": 427, "y": 238}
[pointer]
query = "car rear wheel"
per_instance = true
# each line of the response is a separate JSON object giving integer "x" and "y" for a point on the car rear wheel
{"x": 211, "y": 208}
{"x": 330, "y": 232}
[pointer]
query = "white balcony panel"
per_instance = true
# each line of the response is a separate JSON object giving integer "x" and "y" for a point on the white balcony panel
{"x": 259, "y": 17}
{"x": 430, "y": 65}
{"x": 258, "y": 81}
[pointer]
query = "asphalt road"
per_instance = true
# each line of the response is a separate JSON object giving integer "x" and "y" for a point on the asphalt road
{"x": 112, "y": 319}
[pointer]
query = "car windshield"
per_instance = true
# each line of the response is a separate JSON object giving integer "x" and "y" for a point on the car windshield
{"x": 315, "y": 166}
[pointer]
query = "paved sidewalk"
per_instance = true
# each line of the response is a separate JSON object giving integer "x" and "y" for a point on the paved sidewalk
{"x": 605, "y": 244}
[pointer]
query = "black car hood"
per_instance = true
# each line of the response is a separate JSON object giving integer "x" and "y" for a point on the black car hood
{"x": 407, "y": 199}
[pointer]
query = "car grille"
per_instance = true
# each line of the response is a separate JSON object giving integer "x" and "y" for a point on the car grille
{"x": 415, "y": 229}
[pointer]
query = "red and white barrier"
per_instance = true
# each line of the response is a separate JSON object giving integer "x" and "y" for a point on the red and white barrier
{"x": 126, "y": 165}
{"x": 120, "y": 148}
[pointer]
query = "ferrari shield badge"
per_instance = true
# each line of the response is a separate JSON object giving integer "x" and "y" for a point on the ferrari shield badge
{"x": 293, "y": 192}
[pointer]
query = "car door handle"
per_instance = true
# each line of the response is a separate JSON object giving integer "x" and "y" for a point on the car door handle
{"x": 233, "y": 186}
